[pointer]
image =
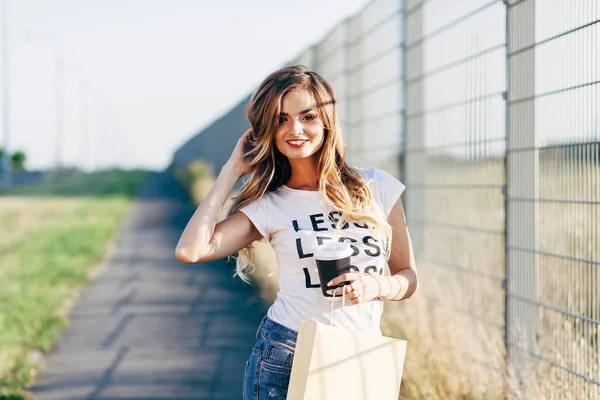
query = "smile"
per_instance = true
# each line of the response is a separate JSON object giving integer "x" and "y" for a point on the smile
{"x": 296, "y": 143}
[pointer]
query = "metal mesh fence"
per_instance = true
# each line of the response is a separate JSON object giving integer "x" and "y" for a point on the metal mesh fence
{"x": 553, "y": 191}
{"x": 455, "y": 133}
{"x": 488, "y": 110}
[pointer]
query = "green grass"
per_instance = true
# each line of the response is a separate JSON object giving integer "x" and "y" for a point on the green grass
{"x": 51, "y": 263}
{"x": 99, "y": 184}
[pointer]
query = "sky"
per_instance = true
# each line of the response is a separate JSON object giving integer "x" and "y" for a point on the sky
{"x": 140, "y": 77}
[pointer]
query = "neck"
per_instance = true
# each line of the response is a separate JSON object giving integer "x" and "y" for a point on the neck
{"x": 304, "y": 175}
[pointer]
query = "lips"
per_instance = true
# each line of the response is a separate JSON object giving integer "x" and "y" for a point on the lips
{"x": 296, "y": 143}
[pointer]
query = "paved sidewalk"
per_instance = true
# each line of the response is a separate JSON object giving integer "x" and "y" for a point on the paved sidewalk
{"x": 150, "y": 327}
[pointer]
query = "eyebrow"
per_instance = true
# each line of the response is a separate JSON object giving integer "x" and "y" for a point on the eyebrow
{"x": 301, "y": 112}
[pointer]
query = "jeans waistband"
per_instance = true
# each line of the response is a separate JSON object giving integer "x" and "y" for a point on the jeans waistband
{"x": 273, "y": 330}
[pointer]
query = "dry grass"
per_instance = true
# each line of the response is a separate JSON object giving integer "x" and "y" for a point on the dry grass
{"x": 450, "y": 355}
{"x": 464, "y": 241}
{"x": 20, "y": 215}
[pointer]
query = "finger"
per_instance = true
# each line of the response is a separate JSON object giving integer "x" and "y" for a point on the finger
{"x": 348, "y": 289}
{"x": 349, "y": 276}
{"x": 353, "y": 287}
{"x": 355, "y": 298}
{"x": 354, "y": 295}
{"x": 344, "y": 290}
{"x": 352, "y": 291}
{"x": 341, "y": 291}
{"x": 246, "y": 135}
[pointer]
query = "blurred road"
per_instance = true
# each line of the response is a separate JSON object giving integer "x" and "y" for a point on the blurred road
{"x": 150, "y": 327}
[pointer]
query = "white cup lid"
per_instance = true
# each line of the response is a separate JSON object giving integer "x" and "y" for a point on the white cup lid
{"x": 333, "y": 251}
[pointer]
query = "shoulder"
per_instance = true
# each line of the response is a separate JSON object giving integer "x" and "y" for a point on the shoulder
{"x": 385, "y": 177}
{"x": 269, "y": 199}
{"x": 257, "y": 212}
{"x": 367, "y": 173}
{"x": 260, "y": 202}
{"x": 386, "y": 187}
{"x": 378, "y": 175}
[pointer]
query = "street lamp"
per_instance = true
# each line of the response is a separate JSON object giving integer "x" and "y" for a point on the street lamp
{"x": 58, "y": 95}
{"x": 6, "y": 167}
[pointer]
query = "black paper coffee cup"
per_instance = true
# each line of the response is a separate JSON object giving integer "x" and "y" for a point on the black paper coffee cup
{"x": 333, "y": 260}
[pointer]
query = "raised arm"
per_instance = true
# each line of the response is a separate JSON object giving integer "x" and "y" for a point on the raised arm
{"x": 203, "y": 239}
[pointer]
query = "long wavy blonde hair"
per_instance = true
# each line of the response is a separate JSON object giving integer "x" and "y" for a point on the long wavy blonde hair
{"x": 341, "y": 187}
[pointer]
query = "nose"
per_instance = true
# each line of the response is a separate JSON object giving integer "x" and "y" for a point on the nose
{"x": 298, "y": 129}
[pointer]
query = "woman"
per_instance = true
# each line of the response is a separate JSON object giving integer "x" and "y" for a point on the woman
{"x": 301, "y": 193}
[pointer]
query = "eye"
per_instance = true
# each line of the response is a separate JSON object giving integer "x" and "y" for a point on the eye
{"x": 282, "y": 119}
{"x": 310, "y": 117}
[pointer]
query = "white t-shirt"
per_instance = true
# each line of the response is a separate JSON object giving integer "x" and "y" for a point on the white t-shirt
{"x": 295, "y": 222}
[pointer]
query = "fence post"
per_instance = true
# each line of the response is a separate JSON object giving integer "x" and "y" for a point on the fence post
{"x": 354, "y": 107}
{"x": 346, "y": 125}
{"x": 403, "y": 129}
{"x": 522, "y": 165}
{"x": 414, "y": 150}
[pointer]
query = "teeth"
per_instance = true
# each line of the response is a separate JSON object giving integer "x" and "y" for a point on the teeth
{"x": 296, "y": 142}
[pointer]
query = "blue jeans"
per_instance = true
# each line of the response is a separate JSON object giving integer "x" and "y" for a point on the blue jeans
{"x": 270, "y": 364}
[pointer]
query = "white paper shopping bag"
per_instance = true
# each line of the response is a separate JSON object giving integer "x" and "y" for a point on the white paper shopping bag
{"x": 332, "y": 363}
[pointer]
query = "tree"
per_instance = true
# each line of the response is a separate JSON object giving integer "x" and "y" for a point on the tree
{"x": 18, "y": 160}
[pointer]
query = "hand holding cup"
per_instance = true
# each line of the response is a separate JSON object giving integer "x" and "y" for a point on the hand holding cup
{"x": 333, "y": 260}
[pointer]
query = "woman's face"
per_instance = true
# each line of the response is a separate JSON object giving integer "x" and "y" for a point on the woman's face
{"x": 300, "y": 130}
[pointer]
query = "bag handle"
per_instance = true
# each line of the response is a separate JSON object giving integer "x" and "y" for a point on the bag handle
{"x": 360, "y": 310}
{"x": 343, "y": 305}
